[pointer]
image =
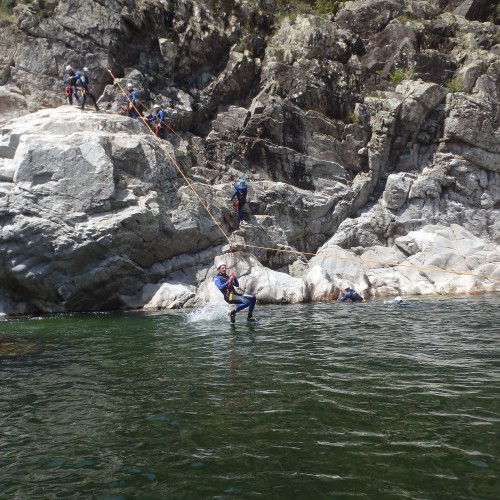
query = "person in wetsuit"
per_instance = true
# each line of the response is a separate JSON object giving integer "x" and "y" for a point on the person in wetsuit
{"x": 352, "y": 295}
{"x": 240, "y": 194}
{"x": 226, "y": 284}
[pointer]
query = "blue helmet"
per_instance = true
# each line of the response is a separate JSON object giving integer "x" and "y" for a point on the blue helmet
{"x": 243, "y": 181}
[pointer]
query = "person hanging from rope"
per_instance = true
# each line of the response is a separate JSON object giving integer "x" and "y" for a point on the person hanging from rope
{"x": 352, "y": 295}
{"x": 240, "y": 197}
{"x": 84, "y": 83}
{"x": 159, "y": 121}
{"x": 226, "y": 284}
{"x": 134, "y": 107}
{"x": 71, "y": 79}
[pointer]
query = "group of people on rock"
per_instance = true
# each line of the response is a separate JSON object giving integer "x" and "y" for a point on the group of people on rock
{"x": 77, "y": 89}
{"x": 135, "y": 109}
{"x": 77, "y": 86}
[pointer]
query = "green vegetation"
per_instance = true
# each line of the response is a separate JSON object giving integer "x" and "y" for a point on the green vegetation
{"x": 404, "y": 18}
{"x": 325, "y": 8}
{"x": 321, "y": 8}
{"x": 7, "y": 8}
{"x": 398, "y": 75}
{"x": 353, "y": 118}
{"x": 494, "y": 16}
{"x": 455, "y": 84}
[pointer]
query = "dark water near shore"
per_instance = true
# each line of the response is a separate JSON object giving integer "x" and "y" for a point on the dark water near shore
{"x": 316, "y": 401}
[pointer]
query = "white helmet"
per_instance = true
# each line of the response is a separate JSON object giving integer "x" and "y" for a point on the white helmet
{"x": 85, "y": 69}
{"x": 68, "y": 67}
{"x": 220, "y": 264}
{"x": 398, "y": 299}
{"x": 130, "y": 85}
{"x": 157, "y": 106}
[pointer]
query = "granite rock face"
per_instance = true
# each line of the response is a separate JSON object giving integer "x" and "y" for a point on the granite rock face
{"x": 369, "y": 163}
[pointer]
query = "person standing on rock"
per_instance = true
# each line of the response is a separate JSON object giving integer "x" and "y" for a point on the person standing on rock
{"x": 240, "y": 196}
{"x": 159, "y": 119}
{"x": 352, "y": 295}
{"x": 134, "y": 108}
{"x": 71, "y": 79}
{"x": 85, "y": 82}
{"x": 226, "y": 284}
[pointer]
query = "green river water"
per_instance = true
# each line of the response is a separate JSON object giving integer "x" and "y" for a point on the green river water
{"x": 315, "y": 401}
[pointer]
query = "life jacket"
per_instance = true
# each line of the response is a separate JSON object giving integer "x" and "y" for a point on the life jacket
{"x": 228, "y": 291}
{"x": 84, "y": 80}
{"x": 71, "y": 79}
{"x": 241, "y": 193}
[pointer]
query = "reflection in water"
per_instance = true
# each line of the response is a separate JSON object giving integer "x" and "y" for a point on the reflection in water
{"x": 326, "y": 399}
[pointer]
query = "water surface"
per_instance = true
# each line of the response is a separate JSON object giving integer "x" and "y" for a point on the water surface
{"x": 315, "y": 401}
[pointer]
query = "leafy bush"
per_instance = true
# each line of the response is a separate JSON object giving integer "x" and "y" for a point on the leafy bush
{"x": 455, "y": 84}
{"x": 321, "y": 8}
{"x": 352, "y": 117}
{"x": 325, "y": 8}
{"x": 494, "y": 16}
{"x": 7, "y": 8}
{"x": 398, "y": 75}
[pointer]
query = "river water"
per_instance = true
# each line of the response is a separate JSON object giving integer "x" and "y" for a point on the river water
{"x": 315, "y": 401}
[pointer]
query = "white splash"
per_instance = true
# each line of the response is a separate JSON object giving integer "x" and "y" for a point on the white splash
{"x": 209, "y": 312}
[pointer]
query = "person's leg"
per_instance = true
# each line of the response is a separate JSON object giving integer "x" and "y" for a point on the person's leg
{"x": 238, "y": 301}
{"x": 92, "y": 96}
{"x": 241, "y": 302}
{"x": 251, "y": 303}
{"x": 77, "y": 97}
{"x": 241, "y": 204}
{"x": 83, "y": 101}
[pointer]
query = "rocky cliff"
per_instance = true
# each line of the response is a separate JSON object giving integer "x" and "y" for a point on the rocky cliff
{"x": 368, "y": 132}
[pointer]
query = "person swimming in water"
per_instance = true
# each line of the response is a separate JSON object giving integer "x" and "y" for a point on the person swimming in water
{"x": 352, "y": 295}
{"x": 398, "y": 301}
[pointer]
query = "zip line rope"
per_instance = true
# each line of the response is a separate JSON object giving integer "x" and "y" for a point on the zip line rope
{"x": 283, "y": 250}
{"x": 186, "y": 180}
{"x": 372, "y": 261}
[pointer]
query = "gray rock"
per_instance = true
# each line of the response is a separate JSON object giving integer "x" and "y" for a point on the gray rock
{"x": 97, "y": 213}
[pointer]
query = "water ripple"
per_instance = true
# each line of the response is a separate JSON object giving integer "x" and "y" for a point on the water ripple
{"x": 326, "y": 399}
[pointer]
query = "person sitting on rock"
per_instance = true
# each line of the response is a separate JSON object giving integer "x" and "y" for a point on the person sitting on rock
{"x": 240, "y": 195}
{"x": 226, "y": 284}
{"x": 351, "y": 295}
{"x": 84, "y": 83}
{"x": 71, "y": 79}
{"x": 159, "y": 120}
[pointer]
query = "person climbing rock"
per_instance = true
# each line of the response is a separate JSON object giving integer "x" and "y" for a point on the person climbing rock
{"x": 158, "y": 119}
{"x": 240, "y": 196}
{"x": 226, "y": 284}
{"x": 134, "y": 108}
{"x": 71, "y": 79}
{"x": 351, "y": 294}
{"x": 85, "y": 85}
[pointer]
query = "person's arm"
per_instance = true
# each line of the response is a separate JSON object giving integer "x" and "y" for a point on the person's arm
{"x": 344, "y": 297}
{"x": 219, "y": 283}
{"x": 235, "y": 282}
{"x": 235, "y": 192}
